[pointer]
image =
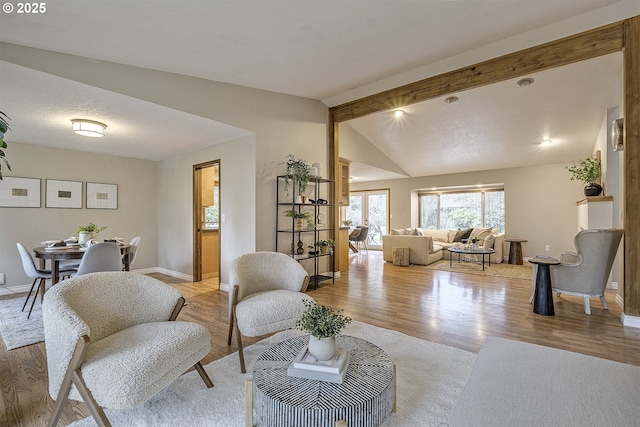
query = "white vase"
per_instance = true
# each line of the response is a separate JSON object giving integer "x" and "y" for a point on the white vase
{"x": 322, "y": 348}
{"x": 318, "y": 167}
{"x": 84, "y": 237}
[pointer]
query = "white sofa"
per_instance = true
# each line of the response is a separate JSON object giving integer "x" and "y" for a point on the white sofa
{"x": 428, "y": 246}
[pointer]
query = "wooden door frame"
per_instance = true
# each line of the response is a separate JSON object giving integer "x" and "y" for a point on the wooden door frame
{"x": 622, "y": 36}
{"x": 197, "y": 236}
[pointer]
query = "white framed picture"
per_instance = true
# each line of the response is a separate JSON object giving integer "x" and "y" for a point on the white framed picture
{"x": 19, "y": 192}
{"x": 102, "y": 196}
{"x": 63, "y": 194}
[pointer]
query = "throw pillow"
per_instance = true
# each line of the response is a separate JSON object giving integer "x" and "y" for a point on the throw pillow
{"x": 480, "y": 233}
{"x": 410, "y": 232}
{"x": 489, "y": 241}
{"x": 419, "y": 231}
{"x": 462, "y": 234}
{"x": 397, "y": 231}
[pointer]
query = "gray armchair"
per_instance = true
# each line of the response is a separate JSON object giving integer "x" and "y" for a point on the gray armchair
{"x": 586, "y": 272}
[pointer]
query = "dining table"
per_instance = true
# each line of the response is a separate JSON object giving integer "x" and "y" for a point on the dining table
{"x": 66, "y": 253}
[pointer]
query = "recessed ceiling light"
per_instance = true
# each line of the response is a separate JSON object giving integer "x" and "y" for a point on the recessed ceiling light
{"x": 528, "y": 81}
{"x": 546, "y": 142}
{"x": 398, "y": 113}
{"x": 451, "y": 99}
{"x": 88, "y": 128}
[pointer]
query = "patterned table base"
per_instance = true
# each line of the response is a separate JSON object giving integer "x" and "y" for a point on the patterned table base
{"x": 366, "y": 398}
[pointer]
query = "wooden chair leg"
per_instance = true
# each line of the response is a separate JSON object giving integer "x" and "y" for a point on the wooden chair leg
{"x": 240, "y": 352}
{"x": 76, "y": 360}
{"x": 203, "y": 375}
{"x": 248, "y": 403}
{"x": 230, "y": 329}
{"x": 96, "y": 410}
{"x": 29, "y": 294}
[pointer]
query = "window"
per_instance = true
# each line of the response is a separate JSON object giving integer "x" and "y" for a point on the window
{"x": 462, "y": 210}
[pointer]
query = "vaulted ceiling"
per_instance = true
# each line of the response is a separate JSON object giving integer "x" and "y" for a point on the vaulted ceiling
{"x": 331, "y": 51}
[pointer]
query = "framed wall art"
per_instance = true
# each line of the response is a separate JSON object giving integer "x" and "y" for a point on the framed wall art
{"x": 20, "y": 192}
{"x": 102, "y": 196}
{"x": 63, "y": 194}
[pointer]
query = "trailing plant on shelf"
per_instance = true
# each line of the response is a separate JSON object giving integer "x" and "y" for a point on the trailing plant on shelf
{"x": 4, "y": 127}
{"x": 290, "y": 213}
{"x": 322, "y": 321}
{"x": 325, "y": 245}
{"x": 297, "y": 171}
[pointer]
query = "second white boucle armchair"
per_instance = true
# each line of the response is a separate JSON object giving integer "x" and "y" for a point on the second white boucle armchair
{"x": 266, "y": 295}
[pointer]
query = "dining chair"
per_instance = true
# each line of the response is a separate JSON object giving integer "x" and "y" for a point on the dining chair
{"x": 101, "y": 257}
{"x": 38, "y": 276}
{"x": 134, "y": 243}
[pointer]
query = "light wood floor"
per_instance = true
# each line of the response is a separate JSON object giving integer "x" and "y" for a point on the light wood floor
{"x": 455, "y": 309}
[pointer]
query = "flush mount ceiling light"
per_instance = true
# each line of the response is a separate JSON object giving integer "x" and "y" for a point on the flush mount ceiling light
{"x": 88, "y": 128}
{"x": 451, "y": 99}
{"x": 546, "y": 142}
{"x": 528, "y": 81}
{"x": 398, "y": 113}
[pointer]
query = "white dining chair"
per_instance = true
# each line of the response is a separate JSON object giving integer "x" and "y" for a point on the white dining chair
{"x": 38, "y": 276}
{"x": 101, "y": 257}
{"x": 134, "y": 243}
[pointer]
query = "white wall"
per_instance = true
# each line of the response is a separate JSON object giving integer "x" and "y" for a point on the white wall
{"x": 237, "y": 204}
{"x": 540, "y": 202}
{"x": 136, "y": 214}
{"x": 281, "y": 125}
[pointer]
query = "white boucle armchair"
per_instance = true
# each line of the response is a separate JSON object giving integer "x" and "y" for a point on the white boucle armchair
{"x": 266, "y": 295}
{"x": 111, "y": 341}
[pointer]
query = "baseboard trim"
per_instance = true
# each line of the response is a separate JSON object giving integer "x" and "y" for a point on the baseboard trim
{"x": 172, "y": 273}
{"x": 16, "y": 289}
{"x": 632, "y": 321}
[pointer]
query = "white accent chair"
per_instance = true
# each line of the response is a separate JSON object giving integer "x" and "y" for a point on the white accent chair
{"x": 37, "y": 275}
{"x": 101, "y": 257}
{"x": 266, "y": 295}
{"x": 112, "y": 341}
{"x": 134, "y": 243}
{"x": 585, "y": 272}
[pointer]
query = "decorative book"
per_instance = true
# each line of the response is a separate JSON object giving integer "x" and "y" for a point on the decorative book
{"x": 332, "y": 370}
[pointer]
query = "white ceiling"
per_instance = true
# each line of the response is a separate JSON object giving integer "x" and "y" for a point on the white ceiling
{"x": 334, "y": 51}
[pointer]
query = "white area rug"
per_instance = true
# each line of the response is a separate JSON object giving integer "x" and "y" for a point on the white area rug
{"x": 430, "y": 379}
{"x": 17, "y": 330}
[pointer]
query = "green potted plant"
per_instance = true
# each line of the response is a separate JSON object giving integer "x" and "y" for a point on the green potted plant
{"x": 88, "y": 232}
{"x": 4, "y": 127}
{"x": 325, "y": 245}
{"x": 347, "y": 222}
{"x": 303, "y": 219}
{"x": 587, "y": 171}
{"x": 323, "y": 324}
{"x": 298, "y": 172}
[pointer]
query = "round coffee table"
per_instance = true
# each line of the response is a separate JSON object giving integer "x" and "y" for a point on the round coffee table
{"x": 365, "y": 398}
{"x": 480, "y": 251}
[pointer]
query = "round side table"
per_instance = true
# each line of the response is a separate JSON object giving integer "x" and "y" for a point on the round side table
{"x": 515, "y": 251}
{"x": 365, "y": 398}
{"x": 543, "y": 298}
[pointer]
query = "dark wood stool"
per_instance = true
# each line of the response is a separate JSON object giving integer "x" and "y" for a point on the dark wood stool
{"x": 515, "y": 251}
{"x": 543, "y": 298}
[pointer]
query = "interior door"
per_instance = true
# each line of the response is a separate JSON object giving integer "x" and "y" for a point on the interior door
{"x": 370, "y": 208}
{"x": 206, "y": 222}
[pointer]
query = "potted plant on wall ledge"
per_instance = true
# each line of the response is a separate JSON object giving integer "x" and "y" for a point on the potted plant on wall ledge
{"x": 588, "y": 171}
